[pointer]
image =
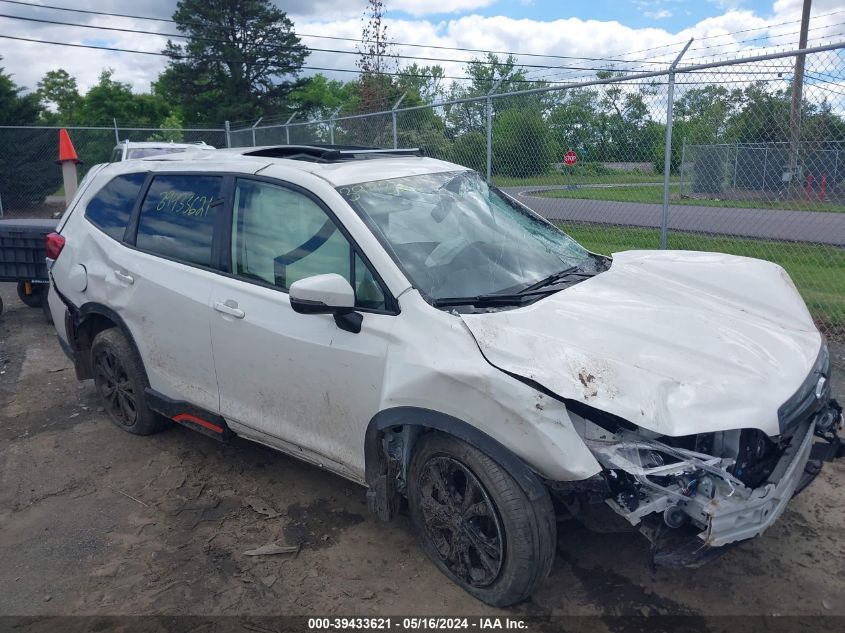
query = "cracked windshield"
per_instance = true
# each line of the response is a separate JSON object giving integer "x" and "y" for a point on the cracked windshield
{"x": 454, "y": 236}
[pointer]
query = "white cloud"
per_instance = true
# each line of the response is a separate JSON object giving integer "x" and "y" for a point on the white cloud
{"x": 339, "y": 9}
{"x": 427, "y": 7}
{"x": 342, "y": 18}
{"x": 662, "y": 14}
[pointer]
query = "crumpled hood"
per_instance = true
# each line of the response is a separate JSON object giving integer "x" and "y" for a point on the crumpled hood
{"x": 677, "y": 342}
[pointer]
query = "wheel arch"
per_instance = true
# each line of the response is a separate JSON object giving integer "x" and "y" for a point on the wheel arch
{"x": 384, "y": 463}
{"x": 85, "y": 322}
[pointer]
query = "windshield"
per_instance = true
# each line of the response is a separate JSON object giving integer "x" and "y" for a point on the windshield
{"x": 144, "y": 152}
{"x": 454, "y": 236}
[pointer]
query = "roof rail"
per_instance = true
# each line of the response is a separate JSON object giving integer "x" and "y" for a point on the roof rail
{"x": 329, "y": 153}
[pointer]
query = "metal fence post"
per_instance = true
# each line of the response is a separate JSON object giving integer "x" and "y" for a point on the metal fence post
{"x": 255, "y": 125}
{"x": 489, "y": 116}
{"x": 736, "y": 160}
{"x": 765, "y": 161}
{"x": 116, "y": 135}
{"x": 393, "y": 116}
{"x": 667, "y": 152}
{"x": 332, "y": 120}
{"x": 287, "y": 127}
{"x": 228, "y": 134}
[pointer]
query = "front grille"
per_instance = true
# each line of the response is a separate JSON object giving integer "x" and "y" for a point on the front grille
{"x": 805, "y": 403}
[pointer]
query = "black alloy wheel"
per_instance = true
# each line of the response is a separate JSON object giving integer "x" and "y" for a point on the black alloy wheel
{"x": 461, "y": 521}
{"x": 115, "y": 388}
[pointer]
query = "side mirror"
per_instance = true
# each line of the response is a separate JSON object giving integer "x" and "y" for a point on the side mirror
{"x": 327, "y": 294}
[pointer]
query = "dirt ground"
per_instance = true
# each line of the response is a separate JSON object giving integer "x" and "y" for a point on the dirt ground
{"x": 96, "y": 521}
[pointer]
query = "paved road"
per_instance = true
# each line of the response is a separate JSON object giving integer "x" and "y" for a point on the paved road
{"x": 800, "y": 226}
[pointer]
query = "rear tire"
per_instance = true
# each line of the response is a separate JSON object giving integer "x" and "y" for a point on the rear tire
{"x": 121, "y": 380}
{"x": 35, "y": 296}
{"x": 477, "y": 524}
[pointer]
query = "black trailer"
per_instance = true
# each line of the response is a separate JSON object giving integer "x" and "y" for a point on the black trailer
{"x": 23, "y": 258}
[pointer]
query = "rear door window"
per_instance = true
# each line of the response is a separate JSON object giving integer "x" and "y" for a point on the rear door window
{"x": 178, "y": 217}
{"x": 110, "y": 209}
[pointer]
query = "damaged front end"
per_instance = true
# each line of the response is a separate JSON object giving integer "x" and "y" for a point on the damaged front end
{"x": 692, "y": 496}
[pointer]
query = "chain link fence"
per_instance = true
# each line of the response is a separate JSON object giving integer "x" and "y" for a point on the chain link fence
{"x": 755, "y": 171}
{"x": 745, "y": 175}
{"x": 30, "y": 179}
{"x": 710, "y": 157}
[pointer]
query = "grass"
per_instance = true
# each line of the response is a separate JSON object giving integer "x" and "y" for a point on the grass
{"x": 818, "y": 271}
{"x": 654, "y": 195}
{"x": 614, "y": 178}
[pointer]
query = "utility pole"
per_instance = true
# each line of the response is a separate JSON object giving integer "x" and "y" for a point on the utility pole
{"x": 792, "y": 176}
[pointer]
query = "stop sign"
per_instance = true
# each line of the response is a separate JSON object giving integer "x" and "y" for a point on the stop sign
{"x": 570, "y": 158}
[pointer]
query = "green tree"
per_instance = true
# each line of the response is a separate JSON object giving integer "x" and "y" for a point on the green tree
{"x": 375, "y": 85}
{"x": 241, "y": 59}
{"x": 110, "y": 100}
{"x": 169, "y": 130}
{"x": 521, "y": 144}
{"x": 484, "y": 75}
{"x": 59, "y": 95}
{"x": 469, "y": 150}
{"x": 574, "y": 123}
{"x": 625, "y": 122}
{"x": 763, "y": 116}
{"x": 426, "y": 83}
{"x": 28, "y": 170}
{"x": 319, "y": 97}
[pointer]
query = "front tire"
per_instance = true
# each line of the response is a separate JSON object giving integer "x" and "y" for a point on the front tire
{"x": 121, "y": 380}
{"x": 477, "y": 524}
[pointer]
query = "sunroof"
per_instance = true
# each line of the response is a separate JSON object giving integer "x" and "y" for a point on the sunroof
{"x": 329, "y": 153}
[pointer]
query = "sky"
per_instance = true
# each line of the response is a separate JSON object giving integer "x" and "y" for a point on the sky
{"x": 653, "y": 30}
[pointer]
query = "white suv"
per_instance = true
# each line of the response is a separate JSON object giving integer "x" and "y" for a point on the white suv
{"x": 398, "y": 321}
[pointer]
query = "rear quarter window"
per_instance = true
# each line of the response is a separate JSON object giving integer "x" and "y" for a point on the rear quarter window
{"x": 110, "y": 209}
{"x": 178, "y": 217}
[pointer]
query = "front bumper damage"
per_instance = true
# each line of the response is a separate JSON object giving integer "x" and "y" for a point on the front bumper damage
{"x": 691, "y": 505}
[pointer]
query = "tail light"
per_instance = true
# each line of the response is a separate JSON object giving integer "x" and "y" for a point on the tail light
{"x": 54, "y": 243}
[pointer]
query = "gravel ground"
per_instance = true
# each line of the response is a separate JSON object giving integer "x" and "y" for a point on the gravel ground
{"x": 96, "y": 521}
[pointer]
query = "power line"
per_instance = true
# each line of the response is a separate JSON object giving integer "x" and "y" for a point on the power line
{"x": 176, "y": 56}
{"x": 325, "y": 37}
{"x": 295, "y": 48}
{"x": 434, "y": 46}
{"x": 568, "y": 76}
{"x": 764, "y": 38}
{"x": 650, "y": 59}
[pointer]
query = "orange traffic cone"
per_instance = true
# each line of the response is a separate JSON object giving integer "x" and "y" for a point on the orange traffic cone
{"x": 66, "y": 150}
{"x": 68, "y": 159}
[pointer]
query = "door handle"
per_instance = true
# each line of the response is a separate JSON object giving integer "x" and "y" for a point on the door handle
{"x": 230, "y": 308}
{"x": 125, "y": 277}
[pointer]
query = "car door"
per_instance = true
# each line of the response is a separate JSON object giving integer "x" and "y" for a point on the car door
{"x": 162, "y": 286}
{"x": 291, "y": 379}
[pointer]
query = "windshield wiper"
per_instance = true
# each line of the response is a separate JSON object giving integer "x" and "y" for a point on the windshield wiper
{"x": 572, "y": 271}
{"x": 526, "y": 295}
{"x": 482, "y": 301}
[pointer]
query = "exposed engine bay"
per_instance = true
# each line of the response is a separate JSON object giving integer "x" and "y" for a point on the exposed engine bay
{"x": 692, "y": 494}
